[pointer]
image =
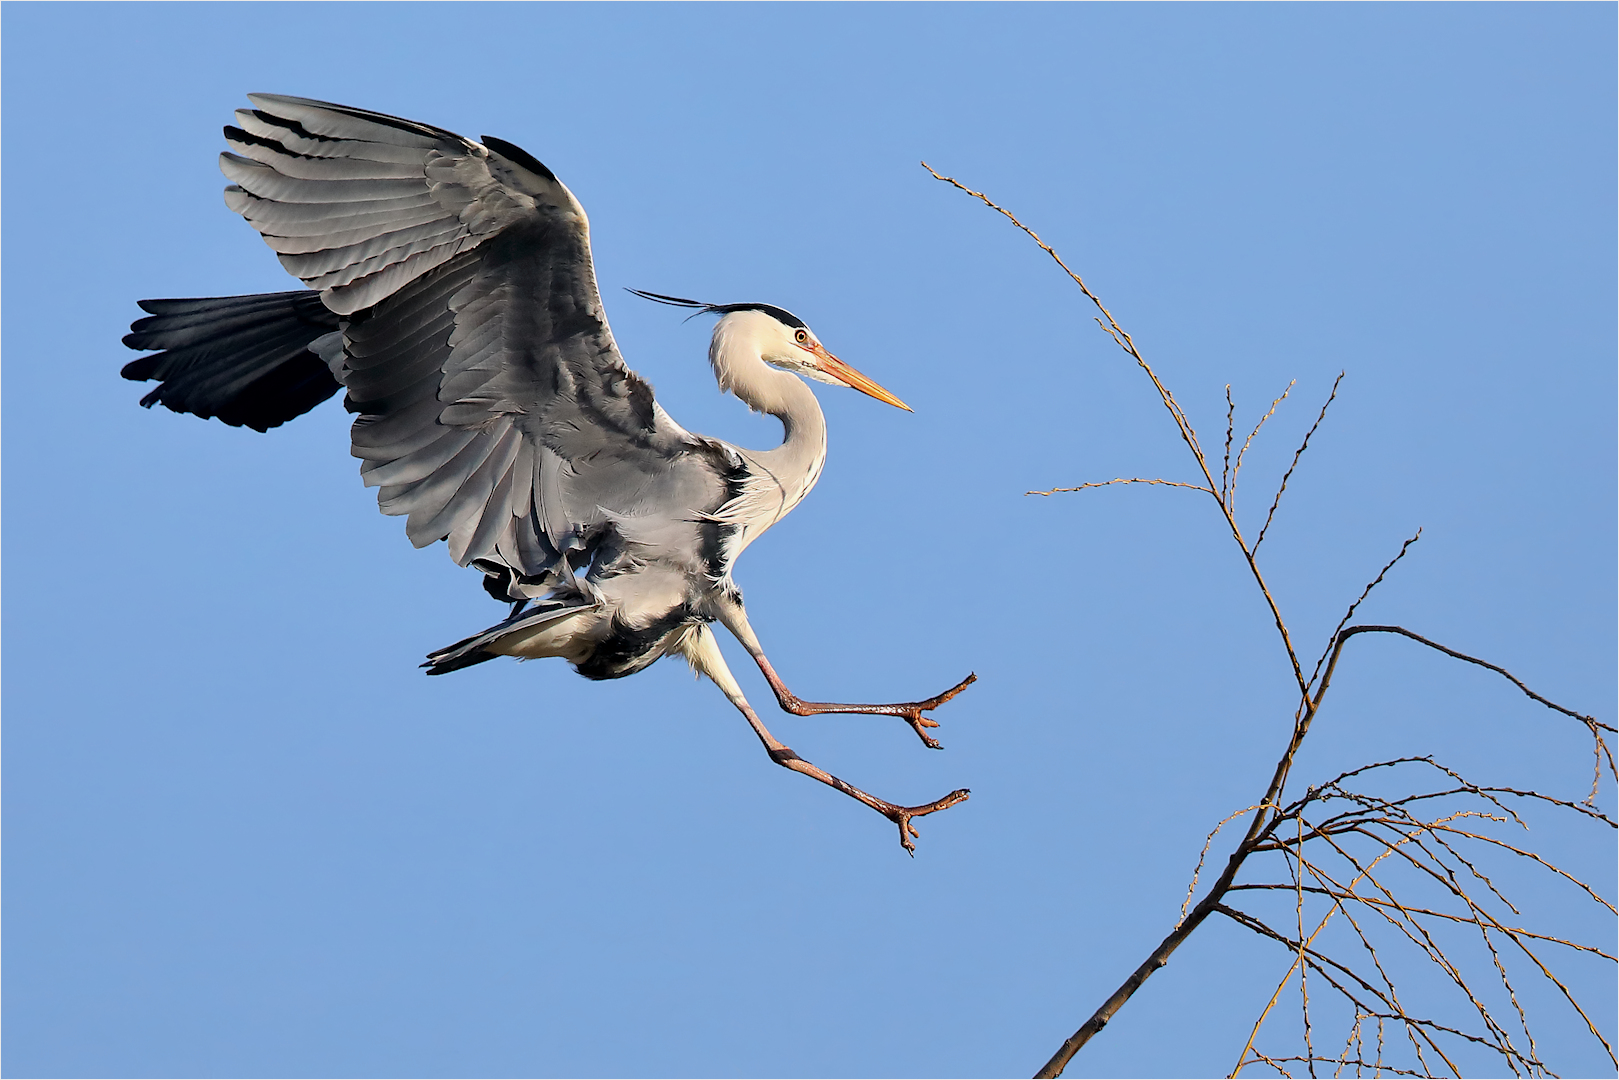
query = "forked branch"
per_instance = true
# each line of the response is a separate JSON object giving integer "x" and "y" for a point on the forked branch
{"x": 1436, "y": 848}
{"x": 1303, "y": 446}
{"x": 1188, "y": 435}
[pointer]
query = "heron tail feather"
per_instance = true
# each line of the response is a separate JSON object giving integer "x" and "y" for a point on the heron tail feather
{"x": 254, "y": 361}
{"x": 474, "y": 649}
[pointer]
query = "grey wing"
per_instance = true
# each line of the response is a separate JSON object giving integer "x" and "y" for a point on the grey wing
{"x": 495, "y": 410}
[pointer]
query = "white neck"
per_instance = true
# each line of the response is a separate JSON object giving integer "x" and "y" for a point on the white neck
{"x": 795, "y": 465}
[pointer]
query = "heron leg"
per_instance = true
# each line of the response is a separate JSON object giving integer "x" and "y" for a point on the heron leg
{"x": 703, "y": 652}
{"x": 736, "y": 620}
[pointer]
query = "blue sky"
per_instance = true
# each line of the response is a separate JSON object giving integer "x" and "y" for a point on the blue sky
{"x": 245, "y": 836}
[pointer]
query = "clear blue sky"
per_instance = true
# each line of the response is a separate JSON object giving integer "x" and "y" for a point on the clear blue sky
{"x": 245, "y": 836}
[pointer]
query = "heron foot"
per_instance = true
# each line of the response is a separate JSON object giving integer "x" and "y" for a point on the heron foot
{"x": 899, "y": 815}
{"x": 909, "y": 711}
{"x": 902, "y": 815}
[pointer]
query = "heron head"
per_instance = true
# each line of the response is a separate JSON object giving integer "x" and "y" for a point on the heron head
{"x": 785, "y": 341}
{"x": 779, "y": 338}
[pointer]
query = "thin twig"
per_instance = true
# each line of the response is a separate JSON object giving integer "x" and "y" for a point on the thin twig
{"x": 1364, "y": 593}
{"x": 1418, "y": 935}
{"x": 1462, "y": 895}
{"x": 1301, "y": 962}
{"x": 1230, "y": 418}
{"x": 1122, "y": 480}
{"x": 1323, "y": 962}
{"x": 1209, "y": 840}
{"x": 1467, "y": 785}
{"x": 1304, "y": 967}
{"x": 1231, "y": 492}
{"x": 1343, "y": 1061}
{"x": 1303, "y": 446}
{"x": 1372, "y": 901}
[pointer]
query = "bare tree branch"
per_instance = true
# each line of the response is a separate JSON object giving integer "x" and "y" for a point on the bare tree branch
{"x": 1359, "y": 854}
{"x": 1182, "y": 424}
{"x": 1345, "y": 635}
{"x": 1364, "y": 593}
{"x": 1600, "y": 748}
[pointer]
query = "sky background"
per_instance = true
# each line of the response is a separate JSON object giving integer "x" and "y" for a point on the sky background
{"x": 243, "y": 835}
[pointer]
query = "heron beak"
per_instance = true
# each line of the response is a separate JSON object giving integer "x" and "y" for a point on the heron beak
{"x": 847, "y": 375}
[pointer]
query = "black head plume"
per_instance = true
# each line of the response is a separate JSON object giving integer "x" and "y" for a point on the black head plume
{"x": 781, "y": 315}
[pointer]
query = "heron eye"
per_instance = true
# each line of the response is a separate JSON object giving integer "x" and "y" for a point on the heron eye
{"x": 801, "y": 336}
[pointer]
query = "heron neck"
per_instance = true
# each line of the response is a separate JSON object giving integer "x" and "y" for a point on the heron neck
{"x": 796, "y": 464}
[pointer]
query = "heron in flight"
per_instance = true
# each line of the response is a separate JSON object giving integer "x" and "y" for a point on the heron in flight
{"x": 452, "y": 296}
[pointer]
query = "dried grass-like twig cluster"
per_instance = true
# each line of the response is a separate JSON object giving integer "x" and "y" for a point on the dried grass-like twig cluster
{"x": 1404, "y": 854}
{"x": 1408, "y": 854}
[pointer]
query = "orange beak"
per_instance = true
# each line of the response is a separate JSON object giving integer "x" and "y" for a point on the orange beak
{"x": 847, "y": 375}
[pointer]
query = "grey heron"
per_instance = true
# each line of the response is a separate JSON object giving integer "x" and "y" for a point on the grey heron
{"x": 452, "y": 295}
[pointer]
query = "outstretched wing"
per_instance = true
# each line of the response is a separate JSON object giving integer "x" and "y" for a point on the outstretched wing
{"x": 495, "y": 409}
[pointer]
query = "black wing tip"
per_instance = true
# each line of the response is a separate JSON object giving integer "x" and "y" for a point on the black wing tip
{"x": 264, "y": 107}
{"x": 258, "y": 97}
{"x": 513, "y": 152}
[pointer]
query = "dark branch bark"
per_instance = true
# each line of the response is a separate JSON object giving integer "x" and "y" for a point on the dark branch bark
{"x": 1345, "y": 635}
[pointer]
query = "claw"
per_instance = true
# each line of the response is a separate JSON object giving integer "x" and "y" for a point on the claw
{"x": 912, "y": 712}
{"x": 902, "y": 815}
